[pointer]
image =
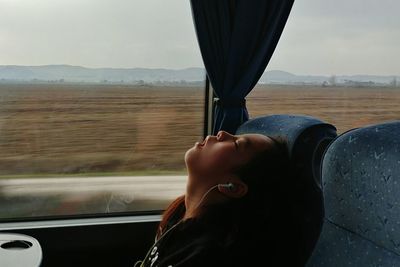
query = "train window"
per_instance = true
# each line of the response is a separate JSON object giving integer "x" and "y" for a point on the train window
{"x": 99, "y": 101}
{"x": 337, "y": 61}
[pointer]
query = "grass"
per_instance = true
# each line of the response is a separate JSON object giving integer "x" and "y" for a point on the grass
{"x": 74, "y": 130}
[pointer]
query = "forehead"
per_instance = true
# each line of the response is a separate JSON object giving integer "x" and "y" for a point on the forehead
{"x": 257, "y": 141}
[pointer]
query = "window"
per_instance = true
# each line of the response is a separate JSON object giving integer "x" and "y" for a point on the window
{"x": 99, "y": 101}
{"x": 337, "y": 61}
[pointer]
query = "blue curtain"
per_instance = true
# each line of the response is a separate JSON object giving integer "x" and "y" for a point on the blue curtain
{"x": 237, "y": 39}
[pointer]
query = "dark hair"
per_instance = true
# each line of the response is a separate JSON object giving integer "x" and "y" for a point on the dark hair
{"x": 267, "y": 216}
{"x": 264, "y": 175}
{"x": 175, "y": 209}
{"x": 263, "y": 221}
{"x": 267, "y": 170}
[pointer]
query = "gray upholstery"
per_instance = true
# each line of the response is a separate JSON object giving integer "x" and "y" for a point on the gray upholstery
{"x": 307, "y": 138}
{"x": 361, "y": 187}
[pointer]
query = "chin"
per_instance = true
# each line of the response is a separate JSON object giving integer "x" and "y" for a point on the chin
{"x": 190, "y": 157}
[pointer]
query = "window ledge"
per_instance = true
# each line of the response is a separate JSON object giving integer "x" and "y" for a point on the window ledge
{"x": 78, "y": 222}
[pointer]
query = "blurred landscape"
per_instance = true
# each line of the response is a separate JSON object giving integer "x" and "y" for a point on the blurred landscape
{"x": 75, "y": 129}
{"x": 91, "y": 128}
{"x": 174, "y": 77}
{"x": 110, "y": 132}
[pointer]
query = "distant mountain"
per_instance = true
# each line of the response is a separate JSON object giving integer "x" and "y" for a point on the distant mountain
{"x": 282, "y": 77}
{"x": 67, "y": 73}
{"x": 277, "y": 76}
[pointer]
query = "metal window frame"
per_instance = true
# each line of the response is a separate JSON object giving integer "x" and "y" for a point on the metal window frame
{"x": 209, "y": 97}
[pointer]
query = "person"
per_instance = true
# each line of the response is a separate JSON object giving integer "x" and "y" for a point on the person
{"x": 231, "y": 212}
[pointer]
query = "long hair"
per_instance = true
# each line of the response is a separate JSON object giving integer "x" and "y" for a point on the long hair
{"x": 175, "y": 209}
{"x": 266, "y": 216}
{"x": 265, "y": 175}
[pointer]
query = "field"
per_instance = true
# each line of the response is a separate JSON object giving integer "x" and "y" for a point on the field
{"x": 75, "y": 129}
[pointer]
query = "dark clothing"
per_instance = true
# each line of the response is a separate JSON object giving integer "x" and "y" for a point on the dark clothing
{"x": 221, "y": 238}
{"x": 207, "y": 241}
{"x": 188, "y": 244}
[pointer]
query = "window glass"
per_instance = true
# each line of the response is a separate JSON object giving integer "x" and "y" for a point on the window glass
{"x": 99, "y": 101}
{"x": 337, "y": 61}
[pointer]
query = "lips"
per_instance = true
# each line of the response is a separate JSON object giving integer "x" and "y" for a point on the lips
{"x": 201, "y": 144}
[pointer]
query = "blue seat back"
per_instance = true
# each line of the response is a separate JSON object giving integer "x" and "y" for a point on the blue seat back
{"x": 306, "y": 138}
{"x": 361, "y": 187}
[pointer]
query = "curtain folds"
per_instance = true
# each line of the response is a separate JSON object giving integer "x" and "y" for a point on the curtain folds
{"x": 237, "y": 39}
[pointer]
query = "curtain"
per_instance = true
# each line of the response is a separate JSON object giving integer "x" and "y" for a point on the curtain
{"x": 236, "y": 40}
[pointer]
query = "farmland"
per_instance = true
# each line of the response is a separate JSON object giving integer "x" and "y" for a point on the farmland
{"x": 78, "y": 129}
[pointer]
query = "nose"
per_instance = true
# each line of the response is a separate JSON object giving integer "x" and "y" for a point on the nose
{"x": 207, "y": 139}
{"x": 222, "y": 135}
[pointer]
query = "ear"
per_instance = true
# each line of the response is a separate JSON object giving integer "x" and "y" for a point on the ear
{"x": 239, "y": 190}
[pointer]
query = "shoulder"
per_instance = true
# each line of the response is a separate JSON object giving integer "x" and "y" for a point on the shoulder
{"x": 192, "y": 244}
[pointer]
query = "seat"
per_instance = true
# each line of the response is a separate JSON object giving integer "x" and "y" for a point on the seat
{"x": 361, "y": 188}
{"x": 306, "y": 138}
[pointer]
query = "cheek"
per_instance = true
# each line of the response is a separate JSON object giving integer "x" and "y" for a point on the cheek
{"x": 219, "y": 159}
{"x": 212, "y": 160}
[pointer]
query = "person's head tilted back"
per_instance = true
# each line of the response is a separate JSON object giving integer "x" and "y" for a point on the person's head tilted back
{"x": 253, "y": 164}
{"x": 227, "y": 158}
{"x": 234, "y": 186}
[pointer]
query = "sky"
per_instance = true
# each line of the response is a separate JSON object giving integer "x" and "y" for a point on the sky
{"x": 321, "y": 37}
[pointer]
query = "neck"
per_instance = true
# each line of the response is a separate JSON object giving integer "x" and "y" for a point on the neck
{"x": 191, "y": 209}
{"x": 198, "y": 197}
{"x": 193, "y": 199}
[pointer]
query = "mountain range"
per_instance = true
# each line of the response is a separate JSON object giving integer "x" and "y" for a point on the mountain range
{"x": 78, "y": 74}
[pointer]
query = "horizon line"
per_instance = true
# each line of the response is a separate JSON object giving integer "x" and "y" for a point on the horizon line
{"x": 178, "y": 69}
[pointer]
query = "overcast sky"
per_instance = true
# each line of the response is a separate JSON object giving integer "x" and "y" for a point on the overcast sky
{"x": 321, "y": 36}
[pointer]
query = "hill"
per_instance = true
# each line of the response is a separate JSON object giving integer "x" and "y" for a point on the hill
{"x": 68, "y": 73}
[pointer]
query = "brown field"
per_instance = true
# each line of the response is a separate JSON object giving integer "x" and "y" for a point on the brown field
{"x": 116, "y": 128}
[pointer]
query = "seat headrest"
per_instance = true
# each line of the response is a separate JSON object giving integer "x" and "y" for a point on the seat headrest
{"x": 306, "y": 139}
{"x": 361, "y": 183}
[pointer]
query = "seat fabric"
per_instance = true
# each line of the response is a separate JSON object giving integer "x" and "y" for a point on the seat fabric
{"x": 361, "y": 188}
